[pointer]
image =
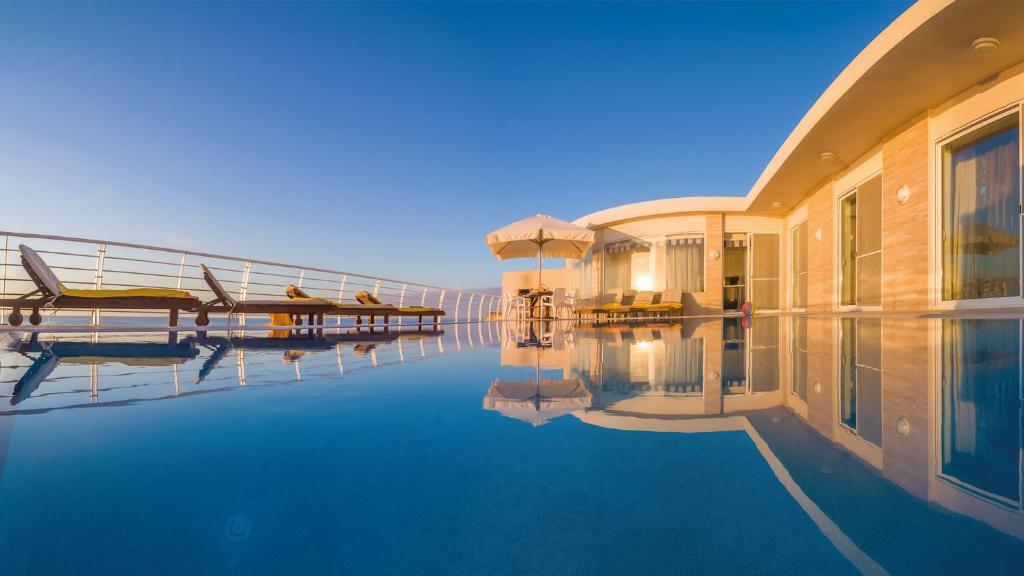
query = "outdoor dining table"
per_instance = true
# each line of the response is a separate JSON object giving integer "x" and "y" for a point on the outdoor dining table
{"x": 533, "y": 301}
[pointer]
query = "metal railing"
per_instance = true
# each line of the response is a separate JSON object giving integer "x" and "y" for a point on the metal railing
{"x": 91, "y": 263}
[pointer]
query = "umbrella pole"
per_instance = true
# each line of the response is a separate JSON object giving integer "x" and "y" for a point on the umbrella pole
{"x": 540, "y": 266}
{"x": 540, "y": 254}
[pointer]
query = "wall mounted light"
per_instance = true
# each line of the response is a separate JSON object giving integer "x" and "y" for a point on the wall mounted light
{"x": 902, "y": 195}
{"x": 817, "y": 387}
{"x": 714, "y": 254}
{"x": 713, "y": 375}
{"x": 818, "y": 234}
{"x": 985, "y": 45}
{"x": 903, "y": 426}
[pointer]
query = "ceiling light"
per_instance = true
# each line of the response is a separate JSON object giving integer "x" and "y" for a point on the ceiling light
{"x": 776, "y": 204}
{"x": 985, "y": 45}
{"x": 828, "y": 157}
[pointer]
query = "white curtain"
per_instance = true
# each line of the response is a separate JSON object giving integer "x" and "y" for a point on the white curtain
{"x": 981, "y": 220}
{"x": 684, "y": 265}
{"x": 616, "y": 269}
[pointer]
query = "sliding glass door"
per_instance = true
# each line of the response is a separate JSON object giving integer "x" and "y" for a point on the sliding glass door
{"x": 798, "y": 259}
{"x": 981, "y": 176}
{"x": 860, "y": 245}
{"x": 764, "y": 271}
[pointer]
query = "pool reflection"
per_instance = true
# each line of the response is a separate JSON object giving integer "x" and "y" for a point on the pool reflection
{"x": 931, "y": 406}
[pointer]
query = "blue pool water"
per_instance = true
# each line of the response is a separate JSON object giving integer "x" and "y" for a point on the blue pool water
{"x": 802, "y": 446}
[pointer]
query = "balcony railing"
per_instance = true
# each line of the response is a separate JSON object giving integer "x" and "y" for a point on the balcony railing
{"x": 91, "y": 263}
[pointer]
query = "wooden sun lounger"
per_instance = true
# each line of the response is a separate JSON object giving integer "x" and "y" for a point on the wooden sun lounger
{"x": 314, "y": 308}
{"x": 51, "y": 292}
{"x": 372, "y": 309}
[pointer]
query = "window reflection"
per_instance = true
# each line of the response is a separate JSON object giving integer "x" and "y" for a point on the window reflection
{"x": 860, "y": 377}
{"x": 981, "y": 406}
{"x": 798, "y": 357}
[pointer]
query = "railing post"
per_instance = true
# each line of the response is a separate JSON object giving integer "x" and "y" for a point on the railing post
{"x": 480, "y": 309}
{"x": 469, "y": 308}
{"x": 423, "y": 300}
{"x": 341, "y": 295}
{"x": 3, "y": 279}
{"x": 457, "y": 300}
{"x": 376, "y": 288}
{"x": 101, "y": 256}
{"x": 244, "y": 288}
{"x": 181, "y": 272}
{"x": 302, "y": 276}
{"x": 440, "y": 299}
{"x": 401, "y": 303}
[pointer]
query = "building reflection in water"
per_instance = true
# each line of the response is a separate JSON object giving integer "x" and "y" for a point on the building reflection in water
{"x": 930, "y": 408}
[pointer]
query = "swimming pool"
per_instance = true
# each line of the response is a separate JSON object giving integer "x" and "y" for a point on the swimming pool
{"x": 782, "y": 445}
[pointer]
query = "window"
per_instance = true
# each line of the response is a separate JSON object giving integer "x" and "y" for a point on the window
{"x": 626, "y": 266}
{"x": 798, "y": 279}
{"x": 860, "y": 245}
{"x": 684, "y": 264}
{"x": 583, "y": 269}
{"x": 764, "y": 278}
{"x": 981, "y": 213}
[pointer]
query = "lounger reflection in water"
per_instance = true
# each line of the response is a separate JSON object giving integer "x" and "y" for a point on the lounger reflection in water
{"x": 51, "y": 292}
{"x": 87, "y": 353}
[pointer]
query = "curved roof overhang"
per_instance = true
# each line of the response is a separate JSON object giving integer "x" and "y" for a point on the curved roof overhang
{"x": 923, "y": 59}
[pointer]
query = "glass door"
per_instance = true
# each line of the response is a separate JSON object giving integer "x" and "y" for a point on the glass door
{"x": 848, "y": 250}
{"x": 735, "y": 272}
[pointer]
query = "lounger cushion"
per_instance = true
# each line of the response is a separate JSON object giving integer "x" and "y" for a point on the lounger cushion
{"x": 126, "y": 293}
{"x": 285, "y": 303}
{"x": 310, "y": 300}
{"x": 40, "y": 269}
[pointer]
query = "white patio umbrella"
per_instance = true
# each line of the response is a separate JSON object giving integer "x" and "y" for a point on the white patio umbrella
{"x": 542, "y": 236}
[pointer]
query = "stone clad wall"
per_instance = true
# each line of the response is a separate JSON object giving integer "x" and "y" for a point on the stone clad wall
{"x": 905, "y": 228}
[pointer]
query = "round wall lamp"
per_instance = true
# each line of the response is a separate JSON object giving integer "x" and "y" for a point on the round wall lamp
{"x": 985, "y": 45}
{"x": 817, "y": 387}
{"x": 818, "y": 234}
{"x": 714, "y": 254}
{"x": 713, "y": 375}
{"x": 903, "y": 426}
{"x": 902, "y": 195}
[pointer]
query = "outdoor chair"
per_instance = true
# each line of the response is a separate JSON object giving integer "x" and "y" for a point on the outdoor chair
{"x": 314, "y": 308}
{"x": 671, "y": 303}
{"x": 51, "y": 292}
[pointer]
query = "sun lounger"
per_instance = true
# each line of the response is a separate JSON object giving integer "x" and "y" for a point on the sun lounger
{"x": 643, "y": 302}
{"x": 419, "y": 312}
{"x": 50, "y": 292}
{"x": 371, "y": 307}
{"x": 314, "y": 308}
{"x": 611, "y": 299}
{"x": 671, "y": 303}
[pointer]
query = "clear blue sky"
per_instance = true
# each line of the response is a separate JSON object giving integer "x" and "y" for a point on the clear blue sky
{"x": 390, "y": 138}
